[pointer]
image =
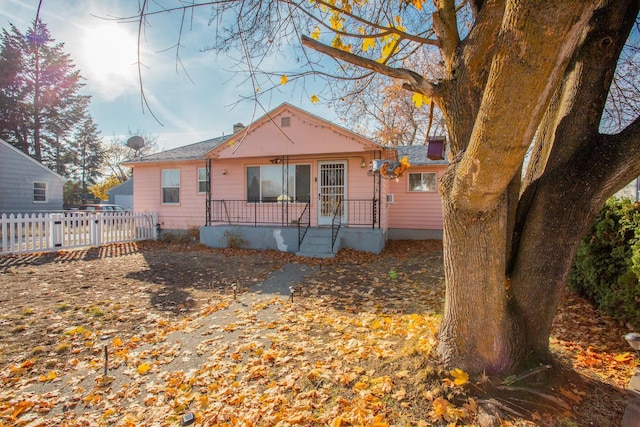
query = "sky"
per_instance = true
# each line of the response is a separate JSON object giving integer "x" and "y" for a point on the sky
{"x": 196, "y": 99}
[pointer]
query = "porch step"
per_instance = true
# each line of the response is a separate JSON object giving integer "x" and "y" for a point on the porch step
{"x": 316, "y": 244}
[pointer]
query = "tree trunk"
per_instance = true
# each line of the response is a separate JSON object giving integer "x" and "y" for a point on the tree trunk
{"x": 479, "y": 332}
{"x": 526, "y": 71}
{"x": 505, "y": 276}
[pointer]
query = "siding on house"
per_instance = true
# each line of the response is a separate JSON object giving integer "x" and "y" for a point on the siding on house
{"x": 304, "y": 135}
{"x": 412, "y": 210}
{"x": 288, "y": 135}
{"x": 147, "y": 187}
{"x": 18, "y": 172}
{"x": 232, "y": 184}
{"x": 147, "y": 184}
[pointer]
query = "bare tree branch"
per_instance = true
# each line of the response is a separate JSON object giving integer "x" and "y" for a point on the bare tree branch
{"x": 414, "y": 80}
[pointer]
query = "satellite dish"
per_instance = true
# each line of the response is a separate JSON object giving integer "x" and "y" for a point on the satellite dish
{"x": 135, "y": 143}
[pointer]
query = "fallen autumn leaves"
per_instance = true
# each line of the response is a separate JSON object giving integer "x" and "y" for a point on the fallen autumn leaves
{"x": 354, "y": 348}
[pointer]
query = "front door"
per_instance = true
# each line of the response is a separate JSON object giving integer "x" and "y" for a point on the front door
{"x": 331, "y": 191}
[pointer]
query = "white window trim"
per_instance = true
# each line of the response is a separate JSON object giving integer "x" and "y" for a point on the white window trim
{"x": 46, "y": 192}
{"x": 162, "y": 187}
{"x": 422, "y": 191}
{"x": 198, "y": 180}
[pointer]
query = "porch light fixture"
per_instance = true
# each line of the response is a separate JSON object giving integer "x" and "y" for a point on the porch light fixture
{"x": 224, "y": 171}
{"x": 633, "y": 338}
{"x": 363, "y": 163}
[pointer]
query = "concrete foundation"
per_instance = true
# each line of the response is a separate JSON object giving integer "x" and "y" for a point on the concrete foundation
{"x": 413, "y": 234}
{"x": 285, "y": 239}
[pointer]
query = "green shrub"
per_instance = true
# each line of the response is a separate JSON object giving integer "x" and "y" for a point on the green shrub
{"x": 607, "y": 264}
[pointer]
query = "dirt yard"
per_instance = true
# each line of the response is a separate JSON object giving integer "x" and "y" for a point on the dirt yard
{"x": 55, "y": 308}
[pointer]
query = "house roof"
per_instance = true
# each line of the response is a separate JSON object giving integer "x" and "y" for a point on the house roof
{"x": 31, "y": 159}
{"x": 195, "y": 151}
{"x": 287, "y": 138}
{"x": 417, "y": 155}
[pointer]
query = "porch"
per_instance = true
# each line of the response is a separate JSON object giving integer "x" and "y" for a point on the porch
{"x": 295, "y": 227}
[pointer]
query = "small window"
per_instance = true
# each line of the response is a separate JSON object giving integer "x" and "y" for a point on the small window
{"x": 423, "y": 181}
{"x": 285, "y": 122}
{"x": 170, "y": 186}
{"x": 202, "y": 180}
{"x": 39, "y": 192}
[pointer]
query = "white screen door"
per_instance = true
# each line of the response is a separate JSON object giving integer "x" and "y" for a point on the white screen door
{"x": 332, "y": 190}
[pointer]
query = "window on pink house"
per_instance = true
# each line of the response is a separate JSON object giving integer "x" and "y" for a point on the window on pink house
{"x": 277, "y": 183}
{"x": 170, "y": 186}
{"x": 202, "y": 180}
{"x": 423, "y": 181}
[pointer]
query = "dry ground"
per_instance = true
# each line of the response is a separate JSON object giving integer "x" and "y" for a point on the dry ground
{"x": 354, "y": 348}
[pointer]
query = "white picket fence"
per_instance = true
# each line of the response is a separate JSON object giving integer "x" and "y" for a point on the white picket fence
{"x": 46, "y": 232}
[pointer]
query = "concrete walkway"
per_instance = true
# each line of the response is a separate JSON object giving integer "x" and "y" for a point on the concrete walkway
{"x": 280, "y": 281}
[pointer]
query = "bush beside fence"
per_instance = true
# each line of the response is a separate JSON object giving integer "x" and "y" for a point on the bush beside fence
{"x": 607, "y": 264}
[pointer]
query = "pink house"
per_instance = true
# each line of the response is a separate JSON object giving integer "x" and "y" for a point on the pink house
{"x": 293, "y": 182}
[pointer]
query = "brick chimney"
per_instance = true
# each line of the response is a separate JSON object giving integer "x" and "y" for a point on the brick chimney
{"x": 237, "y": 127}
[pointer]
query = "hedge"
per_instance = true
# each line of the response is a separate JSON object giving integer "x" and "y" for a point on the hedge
{"x": 607, "y": 264}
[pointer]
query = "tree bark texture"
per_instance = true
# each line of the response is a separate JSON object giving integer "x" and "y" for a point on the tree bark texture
{"x": 507, "y": 258}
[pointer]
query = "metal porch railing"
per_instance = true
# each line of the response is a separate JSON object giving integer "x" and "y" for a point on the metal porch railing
{"x": 360, "y": 213}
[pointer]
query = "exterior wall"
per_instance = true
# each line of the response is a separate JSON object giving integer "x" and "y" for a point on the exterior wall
{"x": 18, "y": 172}
{"x": 147, "y": 189}
{"x": 417, "y": 214}
{"x": 285, "y": 239}
{"x": 305, "y": 135}
{"x": 122, "y": 195}
{"x": 362, "y": 239}
{"x": 229, "y": 178}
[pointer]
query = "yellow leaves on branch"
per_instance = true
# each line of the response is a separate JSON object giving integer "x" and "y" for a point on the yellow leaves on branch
{"x": 336, "y": 21}
{"x": 315, "y": 99}
{"x": 419, "y": 99}
{"x": 284, "y": 79}
{"x": 337, "y": 43}
{"x": 368, "y": 43}
{"x": 315, "y": 34}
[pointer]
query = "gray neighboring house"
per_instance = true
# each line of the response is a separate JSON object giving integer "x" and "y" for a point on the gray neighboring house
{"x": 122, "y": 195}
{"x": 26, "y": 185}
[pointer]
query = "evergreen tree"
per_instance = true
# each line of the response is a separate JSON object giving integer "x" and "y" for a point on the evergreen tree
{"x": 40, "y": 103}
{"x": 88, "y": 154}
